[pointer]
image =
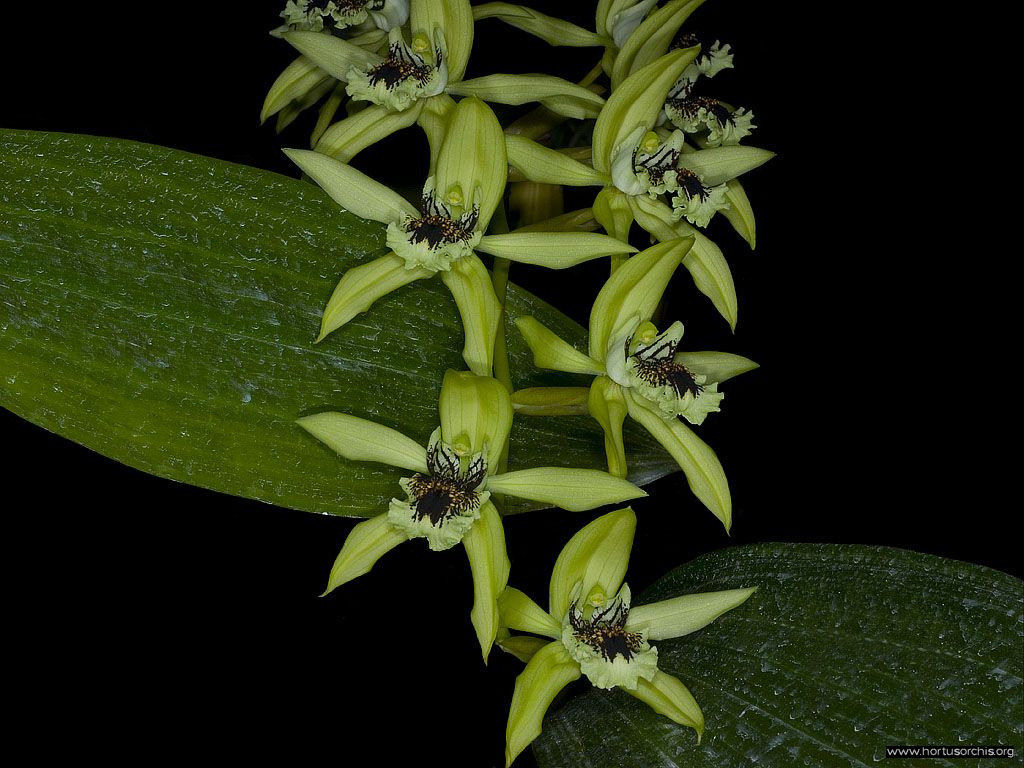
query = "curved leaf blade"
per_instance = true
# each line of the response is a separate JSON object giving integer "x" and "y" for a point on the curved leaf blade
{"x": 160, "y": 309}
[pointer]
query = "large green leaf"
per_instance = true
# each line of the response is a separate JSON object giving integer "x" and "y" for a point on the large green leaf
{"x": 842, "y": 651}
{"x": 160, "y": 308}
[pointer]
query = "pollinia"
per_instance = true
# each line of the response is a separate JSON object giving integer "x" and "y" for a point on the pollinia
{"x": 665, "y": 155}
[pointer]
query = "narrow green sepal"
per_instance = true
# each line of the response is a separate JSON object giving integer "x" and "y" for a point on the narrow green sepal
{"x": 720, "y": 164}
{"x": 682, "y": 615}
{"x": 740, "y": 213}
{"x": 298, "y": 80}
{"x": 554, "y": 250}
{"x": 473, "y": 291}
{"x": 551, "y": 401}
{"x": 365, "y": 545}
{"x": 523, "y": 647}
{"x": 548, "y": 672}
{"x": 333, "y": 55}
{"x": 548, "y": 166}
{"x": 667, "y": 696}
{"x": 488, "y": 560}
{"x": 347, "y": 138}
{"x": 652, "y": 38}
{"x": 703, "y": 470}
{"x": 362, "y": 440}
{"x": 520, "y": 613}
{"x": 361, "y": 286}
{"x": 576, "y": 490}
{"x": 551, "y": 352}
{"x": 717, "y": 366}
{"x": 555, "y": 93}
{"x": 549, "y": 29}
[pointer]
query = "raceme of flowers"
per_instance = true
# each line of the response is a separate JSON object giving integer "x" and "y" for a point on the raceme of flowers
{"x": 664, "y": 154}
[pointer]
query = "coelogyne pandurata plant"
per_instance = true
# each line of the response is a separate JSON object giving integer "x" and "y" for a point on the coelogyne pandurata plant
{"x": 661, "y": 155}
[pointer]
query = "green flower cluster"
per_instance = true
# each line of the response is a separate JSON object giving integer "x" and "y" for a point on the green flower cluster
{"x": 662, "y": 156}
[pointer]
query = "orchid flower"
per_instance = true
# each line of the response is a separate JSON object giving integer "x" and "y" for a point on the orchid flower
{"x": 641, "y": 373}
{"x": 592, "y": 629}
{"x": 448, "y": 495}
{"x": 441, "y": 237}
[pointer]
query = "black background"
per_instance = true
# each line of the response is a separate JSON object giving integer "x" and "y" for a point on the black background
{"x": 147, "y": 612}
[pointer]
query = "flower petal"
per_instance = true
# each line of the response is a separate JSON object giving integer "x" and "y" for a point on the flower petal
{"x": 634, "y": 289}
{"x": 471, "y": 287}
{"x": 363, "y": 285}
{"x": 717, "y": 366}
{"x": 549, "y": 29}
{"x": 434, "y": 122}
{"x": 361, "y": 440}
{"x": 637, "y": 102}
{"x": 524, "y": 89}
{"x": 607, "y": 404}
{"x": 596, "y": 556}
{"x": 652, "y": 38}
{"x": 454, "y": 19}
{"x": 548, "y": 672}
{"x": 332, "y": 54}
{"x": 519, "y": 612}
{"x": 551, "y": 401}
{"x": 721, "y": 164}
{"x": 472, "y": 157}
{"x": 477, "y": 409}
{"x": 549, "y": 166}
{"x": 365, "y": 545}
{"x": 488, "y": 560}
{"x": 554, "y": 250}
{"x": 347, "y": 138}
{"x": 703, "y": 471}
{"x": 299, "y": 78}
{"x": 683, "y": 615}
{"x": 740, "y": 213}
{"x": 523, "y": 647}
{"x": 352, "y": 189}
{"x": 550, "y": 351}
{"x": 704, "y": 261}
{"x": 612, "y": 211}
{"x": 667, "y": 696}
{"x": 573, "y": 489}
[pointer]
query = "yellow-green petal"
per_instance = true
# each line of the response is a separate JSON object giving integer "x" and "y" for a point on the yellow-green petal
{"x": 717, "y": 366}
{"x": 472, "y": 158}
{"x": 667, "y": 696}
{"x": 607, "y": 404}
{"x": 652, "y": 38}
{"x": 347, "y": 138}
{"x": 555, "y": 93}
{"x": 433, "y": 119}
{"x": 549, "y": 29}
{"x": 473, "y": 291}
{"x": 477, "y": 409}
{"x": 362, "y": 440}
{"x": 332, "y": 54}
{"x": 363, "y": 285}
{"x": 365, "y": 545}
{"x": 634, "y": 290}
{"x": 551, "y": 352}
{"x": 523, "y": 647}
{"x": 554, "y": 250}
{"x": 683, "y": 615}
{"x": 520, "y": 613}
{"x": 548, "y": 672}
{"x": 488, "y": 560}
{"x": 551, "y": 401}
{"x": 637, "y": 102}
{"x": 597, "y": 556}
{"x": 576, "y": 490}
{"x": 721, "y": 164}
{"x": 549, "y": 166}
{"x": 299, "y": 78}
{"x": 740, "y": 213}
{"x": 703, "y": 470}
{"x": 352, "y": 189}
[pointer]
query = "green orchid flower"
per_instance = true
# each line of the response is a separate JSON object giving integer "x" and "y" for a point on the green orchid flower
{"x": 361, "y": 23}
{"x": 441, "y": 237}
{"x": 418, "y": 78}
{"x": 637, "y": 165}
{"x": 592, "y": 629}
{"x": 448, "y": 495}
{"x": 641, "y": 373}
